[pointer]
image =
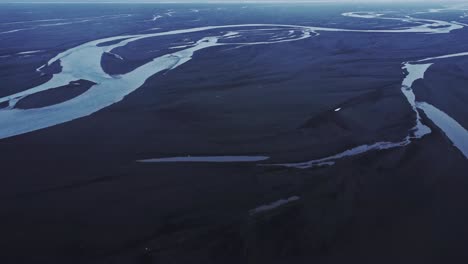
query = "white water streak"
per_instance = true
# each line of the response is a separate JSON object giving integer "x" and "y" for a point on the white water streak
{"x": 274, "y": 205}
{"x": 29, "y": 52}
{"x": 67, "y": 22}
{"x": 115, "y": 55}
{"x": 215, "y": 159}
{"x": 156, "y": 17}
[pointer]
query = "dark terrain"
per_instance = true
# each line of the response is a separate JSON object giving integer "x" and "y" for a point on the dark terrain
{"x": 74, "y": 193}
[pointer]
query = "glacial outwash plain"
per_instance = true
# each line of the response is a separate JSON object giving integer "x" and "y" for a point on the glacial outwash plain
{"x": 233, "y": 133}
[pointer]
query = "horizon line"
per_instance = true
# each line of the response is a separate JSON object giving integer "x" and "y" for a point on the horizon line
{"x": 239, "y": 2}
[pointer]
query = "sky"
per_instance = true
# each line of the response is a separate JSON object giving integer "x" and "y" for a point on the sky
{"x": 245, "y": 1}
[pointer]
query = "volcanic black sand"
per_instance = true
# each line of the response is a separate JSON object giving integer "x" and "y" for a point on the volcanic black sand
{"x": 74, "y": 193}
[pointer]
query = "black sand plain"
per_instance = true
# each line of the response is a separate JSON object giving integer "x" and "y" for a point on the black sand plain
{"x": 74, "y": 193}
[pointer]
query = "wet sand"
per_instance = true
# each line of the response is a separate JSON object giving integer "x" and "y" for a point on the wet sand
{"x": 55, "y": 96}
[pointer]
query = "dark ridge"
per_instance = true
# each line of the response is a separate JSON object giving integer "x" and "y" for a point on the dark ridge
{"x": 114, "y": 66}
{"x": 323, "y": 118}
{"x": 441, "y": 26}
{"x": 53, "y": 68}
{"x": 332, "y": 117}
{"x": 70, "y": 186}
{"x": 4, "y": 105}
{"x": 55, "y": 96}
